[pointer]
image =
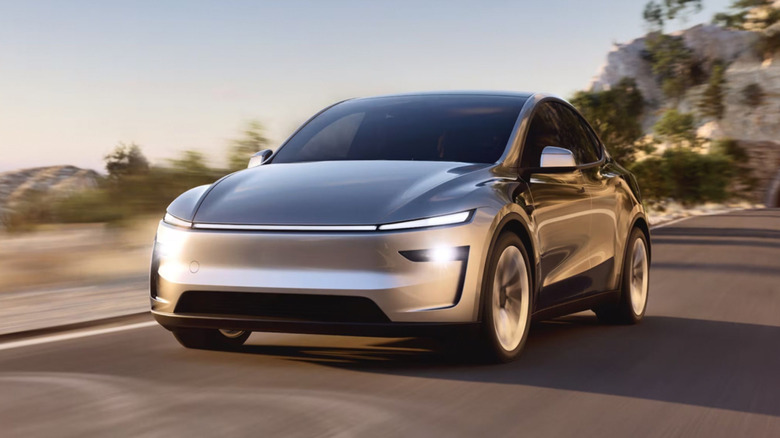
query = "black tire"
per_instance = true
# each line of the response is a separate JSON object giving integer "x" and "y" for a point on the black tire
{"x": 622, "y": 312}
{"x": 489, "y": 343}
{"x": 210, "y": 339}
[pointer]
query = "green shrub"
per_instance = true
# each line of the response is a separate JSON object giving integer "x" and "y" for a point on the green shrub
{"x": 23, "y": 215}
{"x": 685, "y": 176}
{"x": 650, "y": 174}
{"x": 95, "y": 205}
{"x": 741, "y": 170}
{"x": 677, "y": 128}
{"x": 711, "y": 104}
{"x": 694, "y": 178}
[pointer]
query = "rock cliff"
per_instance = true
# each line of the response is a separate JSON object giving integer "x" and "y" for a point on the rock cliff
{"x": 54, "y": 180}
{"x": 756, "y": 127}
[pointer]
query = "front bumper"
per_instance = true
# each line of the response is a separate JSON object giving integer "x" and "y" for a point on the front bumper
{"x": 365, "y": 265}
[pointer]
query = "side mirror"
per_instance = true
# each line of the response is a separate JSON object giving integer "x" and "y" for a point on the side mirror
{"x": 554, "y": 156}
{"x": 259, "y": 158}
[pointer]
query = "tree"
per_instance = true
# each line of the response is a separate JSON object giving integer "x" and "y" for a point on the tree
{"x": 253, "y": 140}
{"x": 126, "y": 160}
{"x": 676, "y": 128}
{"x": 711, "y": 104}
{"x": 672, "y": 64}
{"x": 731, "y": 21}
{"x": 672, "y": 61}
{"x": 748, "y": 15}
{"x": 615, "y": 116}
{"x": 657, "y": 13}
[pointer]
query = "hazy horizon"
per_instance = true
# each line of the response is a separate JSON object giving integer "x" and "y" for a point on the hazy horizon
{"x": 79, "y": 77}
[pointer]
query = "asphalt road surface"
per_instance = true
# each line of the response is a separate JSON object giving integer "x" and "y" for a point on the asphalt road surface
{"x": 704, "y": 362}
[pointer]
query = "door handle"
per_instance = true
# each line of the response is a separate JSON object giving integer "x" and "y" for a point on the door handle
{"x": 581, "y": 190}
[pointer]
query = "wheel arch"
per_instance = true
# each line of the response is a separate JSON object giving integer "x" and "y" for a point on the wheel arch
{"x": 516, "y": 224}
{"x": 641, "y": 223}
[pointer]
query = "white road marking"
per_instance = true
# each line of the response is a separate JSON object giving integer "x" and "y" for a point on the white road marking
{"x": 712, "y": 213}
{"x": 75, "y": 335}
{"x": 671, "y": 222}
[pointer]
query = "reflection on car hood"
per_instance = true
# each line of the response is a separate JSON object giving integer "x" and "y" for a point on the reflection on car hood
{"x": 333, "y": 192}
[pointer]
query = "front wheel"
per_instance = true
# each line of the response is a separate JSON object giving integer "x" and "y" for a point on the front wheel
{"x": 507, "y": 300}
{"x": 211, "y": 339}
{"x": 634, "y": 284}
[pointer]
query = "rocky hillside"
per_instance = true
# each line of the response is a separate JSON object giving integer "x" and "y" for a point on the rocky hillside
{"x": 16, "y": 185}
{"x": 709, "y": 44}
{"x": 756, "y": 127}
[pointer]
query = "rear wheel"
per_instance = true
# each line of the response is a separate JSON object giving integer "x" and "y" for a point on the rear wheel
{"x": 507, "y": 300}
{"x": 635, "y": 284}
{"x": 211, "y": 339}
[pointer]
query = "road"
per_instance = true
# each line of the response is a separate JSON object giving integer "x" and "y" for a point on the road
{"x": 704, "y": 362}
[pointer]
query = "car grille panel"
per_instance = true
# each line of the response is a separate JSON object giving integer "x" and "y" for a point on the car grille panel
{"x": 282, "y": 307}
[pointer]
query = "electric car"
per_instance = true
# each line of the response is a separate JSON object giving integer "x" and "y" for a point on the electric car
{"x": 463, "y": 215}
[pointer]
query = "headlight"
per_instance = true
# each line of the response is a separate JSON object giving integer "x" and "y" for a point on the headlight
{"x": 449, "y": 219}
{"x": 170, "y": 239}
{"x": 173, "y": 220}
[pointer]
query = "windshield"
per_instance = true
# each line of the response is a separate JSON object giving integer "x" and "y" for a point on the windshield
{"x": 461, "y": 128}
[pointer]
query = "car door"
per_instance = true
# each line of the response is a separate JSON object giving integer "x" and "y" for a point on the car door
{"x": 561, "y": 212}
{"x": 600, "y": 184}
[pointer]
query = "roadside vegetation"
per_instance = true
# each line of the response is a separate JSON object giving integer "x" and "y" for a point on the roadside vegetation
{"x": 132, "y": 187}
{"x": 671, "y": 162}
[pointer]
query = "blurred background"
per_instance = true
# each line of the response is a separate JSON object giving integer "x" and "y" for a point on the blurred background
{"x": 111, "y": 109}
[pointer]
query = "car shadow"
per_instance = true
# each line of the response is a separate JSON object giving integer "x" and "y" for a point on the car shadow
{"x": 697, "y": 362}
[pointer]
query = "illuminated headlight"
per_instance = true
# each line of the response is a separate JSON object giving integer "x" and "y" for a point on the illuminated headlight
{"x": 173, "y": 220}
{"x": 169, "y": 240}
{"x": 449, "y": 219}
{"x": 438, "y": 254}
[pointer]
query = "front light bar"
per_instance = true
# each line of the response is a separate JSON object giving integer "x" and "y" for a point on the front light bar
{"x": 436, "y": 221}
{"x": 173, "y": 220}
{"x": 449, "y": 219}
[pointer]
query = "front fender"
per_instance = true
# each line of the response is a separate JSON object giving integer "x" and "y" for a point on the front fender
{"x": 512, "y": 216}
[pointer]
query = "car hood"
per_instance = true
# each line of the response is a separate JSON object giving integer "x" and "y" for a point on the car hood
{"x": 339, "y": 192}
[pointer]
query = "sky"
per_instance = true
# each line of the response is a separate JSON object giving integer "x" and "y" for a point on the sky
{"x": 78, "y": 77}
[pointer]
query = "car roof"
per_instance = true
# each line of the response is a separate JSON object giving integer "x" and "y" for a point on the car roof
{"x": 516, "y": 94}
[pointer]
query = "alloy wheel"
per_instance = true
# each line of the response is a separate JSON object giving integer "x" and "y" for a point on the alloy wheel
{"x": 511, "y": 298}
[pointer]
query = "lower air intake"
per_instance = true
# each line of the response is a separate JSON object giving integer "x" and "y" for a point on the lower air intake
{"x": 283, "y": 307}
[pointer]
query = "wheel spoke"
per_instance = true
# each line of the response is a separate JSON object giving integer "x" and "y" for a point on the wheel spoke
{"x": 510, "y": 311}
{"x": 511, "y": 273}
